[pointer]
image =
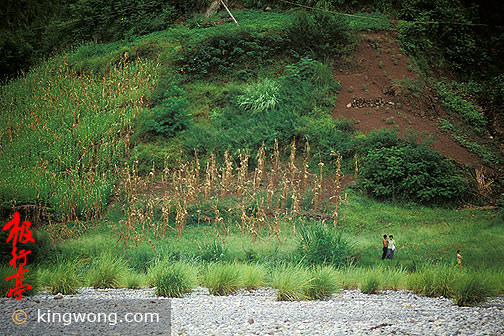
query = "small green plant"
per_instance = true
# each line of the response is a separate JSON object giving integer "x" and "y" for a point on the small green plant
{"x": 350, "y": 89}
{"x": 364, "y": 88}
{"x": 222, "y": 279}
{"x": 390, "y": 120}
{"x": 380, "y": 64}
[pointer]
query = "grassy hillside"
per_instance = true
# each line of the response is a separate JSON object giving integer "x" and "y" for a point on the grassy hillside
{"x": 211, "y": 143}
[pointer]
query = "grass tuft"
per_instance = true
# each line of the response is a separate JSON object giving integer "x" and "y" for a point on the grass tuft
{"x": 107, "y": 271}
{"x": 173, "y": 279}
{"x": 293, "y": 283}
{"x": 223, "y": 279}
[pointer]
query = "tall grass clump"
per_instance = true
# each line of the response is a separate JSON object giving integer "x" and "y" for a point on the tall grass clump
{"x": 252, "y": 276}
{"x": 471, "y": 288}
{"x": 371, "y": 284}
{"x": 135, "y": 280}
{"x": 433, "y": 280}
{"x": 260, "y": 97}
{"x": 223, "y": 279}
{"x": 64, "y": 278}
{"x": 107, "y": 271}
{"x": 323, "y": 245}
{"x": 292, "y": 282}
{"x": 324, "y": 284}
{"x": 173, "y": 279}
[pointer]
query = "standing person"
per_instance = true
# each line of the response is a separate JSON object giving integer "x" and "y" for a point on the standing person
{"x": 385, "y": 244}
{"x": 459, "y": 259}
{"x": 390, "y": 247}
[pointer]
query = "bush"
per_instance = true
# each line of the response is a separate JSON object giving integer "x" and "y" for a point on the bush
{"x": 114, "y": 20}
{"x": 320, "y": 34}
{"x": 325, "y": 137}
{"x": 437, "y": 42}
{"x": 173, "y": 279}
{"x": 222, "y": 279}
{"x": 170, "y": 115}
{"x": 463, "y": 109}
{"x": 107, "y": 271}
{"x": 292, "y": 282}
{"x": 411, "y": 172}
{"x": 323, "y": 245}
{"x": 221, "y": 52}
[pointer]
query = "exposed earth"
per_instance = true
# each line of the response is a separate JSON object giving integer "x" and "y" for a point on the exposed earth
{"x": 374, "y": 92}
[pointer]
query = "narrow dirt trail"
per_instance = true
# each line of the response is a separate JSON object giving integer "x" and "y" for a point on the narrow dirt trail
{"x": 380, "y": 70}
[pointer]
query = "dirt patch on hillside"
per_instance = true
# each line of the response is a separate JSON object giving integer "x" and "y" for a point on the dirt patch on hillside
{"x": 379, "y": 89}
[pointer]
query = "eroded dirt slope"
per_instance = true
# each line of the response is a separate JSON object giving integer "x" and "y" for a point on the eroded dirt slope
{"x": 379, "y": 89}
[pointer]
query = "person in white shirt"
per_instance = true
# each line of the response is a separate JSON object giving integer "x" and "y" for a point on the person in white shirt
{"x": 390, "y": 247}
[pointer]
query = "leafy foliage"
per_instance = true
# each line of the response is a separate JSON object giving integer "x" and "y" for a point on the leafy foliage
{"x": 462, "y": 108}
{"x": 320, "y": 34}
{"x": 408, "y": 171}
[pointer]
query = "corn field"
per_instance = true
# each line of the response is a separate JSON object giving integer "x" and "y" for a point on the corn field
{"x": 225, "y": 193}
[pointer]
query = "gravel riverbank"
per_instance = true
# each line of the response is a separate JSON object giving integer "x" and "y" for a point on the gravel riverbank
{"x": 348, "y": 312}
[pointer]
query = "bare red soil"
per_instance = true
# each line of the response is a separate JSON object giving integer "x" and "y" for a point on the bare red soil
{"x": 380, "y": 69}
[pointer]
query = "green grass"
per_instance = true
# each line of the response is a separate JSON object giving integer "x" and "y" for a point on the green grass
{"x": 324, "y": 284}
{"x": 29, "y": 278}
{"x": 371, "y": 284}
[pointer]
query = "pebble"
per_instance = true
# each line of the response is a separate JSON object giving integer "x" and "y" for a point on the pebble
{"x": 348, "y": 312}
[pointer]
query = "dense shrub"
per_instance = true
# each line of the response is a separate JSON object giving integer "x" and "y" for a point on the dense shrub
{"x": 222, "y": 52}
{"x": 325, "y": 136}
{"x": 323, "y": 245}
{"x": 308, "y": 84}
{"x": 170, "y": 115}
{"x": 407, "y": 171}
{"x": 114, "y": 20}
{"x": 320, "y": 34}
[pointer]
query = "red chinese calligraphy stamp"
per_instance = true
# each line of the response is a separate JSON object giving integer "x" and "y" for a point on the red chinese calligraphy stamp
{"x": 19, "y": 233}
